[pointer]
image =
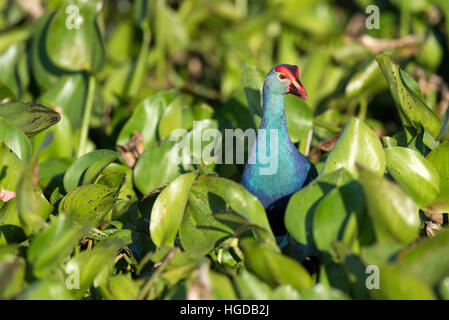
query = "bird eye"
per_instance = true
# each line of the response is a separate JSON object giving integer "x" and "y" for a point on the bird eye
{"x": 282, "y": 77}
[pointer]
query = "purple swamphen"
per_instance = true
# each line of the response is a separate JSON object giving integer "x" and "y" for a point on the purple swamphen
{"x": 275, "y": 168}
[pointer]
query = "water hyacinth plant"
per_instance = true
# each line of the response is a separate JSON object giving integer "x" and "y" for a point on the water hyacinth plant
{"x": 125, "y": 161}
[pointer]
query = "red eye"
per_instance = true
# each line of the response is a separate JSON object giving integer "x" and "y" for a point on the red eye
{"x": 282, "y": 77}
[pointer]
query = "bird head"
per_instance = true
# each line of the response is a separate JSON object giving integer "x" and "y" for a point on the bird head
{"x": 284, "y": 79}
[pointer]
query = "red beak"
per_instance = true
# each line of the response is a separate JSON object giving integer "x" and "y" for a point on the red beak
{"x": 296, "y": 88}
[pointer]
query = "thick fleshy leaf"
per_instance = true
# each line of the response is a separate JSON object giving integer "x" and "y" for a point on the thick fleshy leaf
{"x": 60, "y": 140}
{"x": 87, "y": 265}
{"x": 16, "y": 140}
{"x": 11, "y": 167}
{"x": 439, "y": 158}
{"x": 122, "y": 287}
{"x": 250, "y": 287}
{"x": 171, "y": 119}
{"x": 6, "y": 95}
{"x": 79, "y": 47}
{"x": 252, "y": 82}
{"x": 68, "y": 94}
{"x": 32, "y": 206}
{"x": 30, "y": 118}
{"x": 44, "y": 71}
{"x": 395, "y": 284}
{"x": 50, "y": 247}
{"x": 89, "y": 203}
{"x": 414, "y": 174}
{"x": 200, "y": 231}
{"x": 299, "y": 121}
{"x": 273, "y": 267}
{"x": 302, "y": 205}
{"x": 322, "y": 292}
{"x": 339, "y": 216}
{"x": 86, "y": 169}
{"x": 367, "y": 81}
{"x": 157, "y": 166}
{"x": 48, "y": 289}
{"x": 9, "y": 60}
{"x": 413, "y": 110}
{"x": 168, "y": 210}
{"x": 145, "y": 118}
{"x": 222, "y": 288}
{"x": 393, "y": 213}
{"x": 241, "y": 202}
{"x": 428, "y": 260}
{"x": 357, "y": 143}
{"x": 12, "y": 275}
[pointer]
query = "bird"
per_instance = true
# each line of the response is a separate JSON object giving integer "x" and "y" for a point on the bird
{"x": 293, "y": 171}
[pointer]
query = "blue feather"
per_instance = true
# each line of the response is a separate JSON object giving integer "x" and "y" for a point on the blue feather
{"x": 293, "y": 170}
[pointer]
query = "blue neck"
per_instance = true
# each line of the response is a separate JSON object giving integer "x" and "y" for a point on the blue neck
{"x": 274, "y": 113}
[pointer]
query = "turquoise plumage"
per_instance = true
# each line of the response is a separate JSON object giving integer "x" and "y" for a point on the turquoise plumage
{"x": 286, "y": 171}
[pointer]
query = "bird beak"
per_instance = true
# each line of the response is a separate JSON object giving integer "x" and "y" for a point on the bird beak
{"x": 296, "y": 88}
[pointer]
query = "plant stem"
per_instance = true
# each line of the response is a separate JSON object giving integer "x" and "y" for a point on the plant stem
{"x": 404, "y": 28}
{"x": 141, "y": 64}
{"x": 160, "y": 42}
{"x": 86, "y": 117}
{"x": 363, "y": 108}
{"x": 147, "y": 287}
{"x": 326, "y": 125}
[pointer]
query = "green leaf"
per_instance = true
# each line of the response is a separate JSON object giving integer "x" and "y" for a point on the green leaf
{"x": 50, "y": 247}
{"x": 145, "y": 118}
{"x": 168, "y": 210}
{"x": 367, "y": 81}
{"x": 89, "y": 203}
{"x": 9, "y": 60}
{"x": 393, "y": 213}
{"x": 200, "y": 231}
{"x": 252, "y": 83}
{"x": 85, "y": 170}
{"x": 16, "y": 140}
{"x": 339, "y": 216}
{"x": 222, "y": 288}
{"x": 11, "y": 168}
{"x": 87, "y": 265}
{"x": 156, "y": 166}
{"x": 358, "y": 143}
{"x": 6, "y": 94}
{"x": 322, "y": 292}
{"x": 75, "y": 49}
{"x": 44, "y": 71}
{"x": 123, "y": 287}
{"x": 395, "y": 284}
{"x": 302, "y": 205}
{"x": 428, "y": 260}
{"x": 30, "y": 118}
{"x": 273, "y": 267}
{"x": 48, "y": 289}
{"x": 171, "y": 119}
{"x": 238, "y": 200}
{"x": 12, "y": 275}
{"x": 413, "y": 110}
{"x": 439, "y": 158}
{"x": 414, "y": 174}
{"x": 32, "y": 206}
{"x": 251, "y": 287}
{"x": 299, "y": 121}
{"x": 69, "y": 94}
